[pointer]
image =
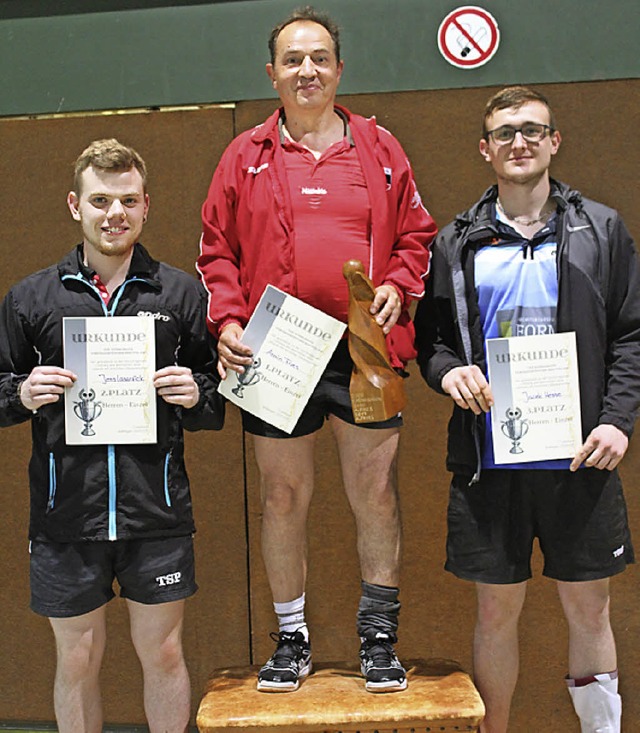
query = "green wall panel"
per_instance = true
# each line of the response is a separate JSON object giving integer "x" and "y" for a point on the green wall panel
{"x": 215, "y": 52}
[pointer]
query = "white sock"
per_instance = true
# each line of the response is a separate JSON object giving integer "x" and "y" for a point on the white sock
{"x": 597, "y": 703}
{"x": 291, "y": 616}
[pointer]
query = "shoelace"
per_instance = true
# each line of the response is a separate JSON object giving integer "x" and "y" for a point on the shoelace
{"x": 287, "y": 647}
{"x": 380, "y": 653}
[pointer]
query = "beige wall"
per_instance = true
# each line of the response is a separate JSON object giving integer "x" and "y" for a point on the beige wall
{"x": 228, "y": 621}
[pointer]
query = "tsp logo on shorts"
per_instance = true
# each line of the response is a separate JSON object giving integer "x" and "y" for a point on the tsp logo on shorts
{"x": 170, "y": 579}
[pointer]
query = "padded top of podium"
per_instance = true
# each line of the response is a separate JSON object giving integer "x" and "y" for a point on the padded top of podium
{"x": 333, "y": 696}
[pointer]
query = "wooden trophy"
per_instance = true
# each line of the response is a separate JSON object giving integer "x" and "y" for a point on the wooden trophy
{"x": 376, "y": 389}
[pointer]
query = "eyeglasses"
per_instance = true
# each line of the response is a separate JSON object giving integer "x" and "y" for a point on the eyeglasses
{"x": 532, "y": 132}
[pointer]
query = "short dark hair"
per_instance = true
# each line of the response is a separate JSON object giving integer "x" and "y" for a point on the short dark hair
{"x": 310, "y": 14}
{"x": 108, "y": 155}
{"x": 514, "y": 96}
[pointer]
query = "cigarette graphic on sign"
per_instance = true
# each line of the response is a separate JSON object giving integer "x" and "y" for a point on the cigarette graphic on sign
{"x": 468, "y": 37}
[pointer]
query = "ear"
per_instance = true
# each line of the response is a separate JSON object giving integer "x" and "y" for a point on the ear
{"x": 146, "y": 208}
{"x": 556, "y": 139}
{"x": 72, "y": 202}
{"x": 270, "y": 74}
{"x": 483, "y": 146}
{"x": 340, "y": 69}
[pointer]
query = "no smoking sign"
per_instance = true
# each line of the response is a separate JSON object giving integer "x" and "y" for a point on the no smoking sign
{"x": 468, "y": 37}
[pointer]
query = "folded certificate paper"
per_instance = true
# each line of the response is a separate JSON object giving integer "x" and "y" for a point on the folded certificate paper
{"x": 536, "y": 392}
{"x": 292, "y": 343}
{"x": 113, "y": 401}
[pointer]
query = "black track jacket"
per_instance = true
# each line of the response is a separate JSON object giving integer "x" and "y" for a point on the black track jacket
{"x": 100, "y": 492}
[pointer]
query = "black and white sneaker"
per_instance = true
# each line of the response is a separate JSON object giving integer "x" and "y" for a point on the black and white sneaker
{"x": 290, "y": 663}
{"x": 380, "y": 665}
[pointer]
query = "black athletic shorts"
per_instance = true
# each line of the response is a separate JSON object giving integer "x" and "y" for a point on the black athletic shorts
{"x": 580, "y": 520}
{"x": 330, "y": 397}
{"x": 70, "y": 579}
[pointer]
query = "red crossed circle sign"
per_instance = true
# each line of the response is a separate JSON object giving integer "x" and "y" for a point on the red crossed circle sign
{"x": 468, "y": 37}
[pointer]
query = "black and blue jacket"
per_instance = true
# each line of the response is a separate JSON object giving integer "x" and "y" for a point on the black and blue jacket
{"x": 106, "y": 492}
{"x": 598, "y": 298}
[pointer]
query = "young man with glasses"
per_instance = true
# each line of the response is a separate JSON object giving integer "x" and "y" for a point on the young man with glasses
{"x": 535, "y": 256}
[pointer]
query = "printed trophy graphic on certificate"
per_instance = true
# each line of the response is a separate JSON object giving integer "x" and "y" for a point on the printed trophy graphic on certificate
{"x": 250, "y": 376}
{"x": 87, "y": 410}
{"x": 376, "y": 389}
{"x": 515, "y": 428}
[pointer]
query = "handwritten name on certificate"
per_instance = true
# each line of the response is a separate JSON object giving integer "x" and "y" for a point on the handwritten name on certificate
{"x": 113, "y": 401}
{"x": 292, "y": 343}
{"x": 536, "y": 411}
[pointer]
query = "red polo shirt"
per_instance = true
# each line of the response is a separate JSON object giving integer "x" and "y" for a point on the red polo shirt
{"x": 332, "y": 221}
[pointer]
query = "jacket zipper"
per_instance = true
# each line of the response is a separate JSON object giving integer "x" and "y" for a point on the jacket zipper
{"x": 167, "y": 496}
{"x": 52, "y": 482}
{"x": 111, "y": 449}
{"x": 111, "y": 472}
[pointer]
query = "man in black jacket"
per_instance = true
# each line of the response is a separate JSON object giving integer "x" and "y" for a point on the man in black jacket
{"x": 100, "y": 512}
{"x": 534, "y": 257}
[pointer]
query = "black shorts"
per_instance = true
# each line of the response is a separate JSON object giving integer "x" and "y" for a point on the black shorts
{"x": 580, "y": 520}
{"x": 71, "y": 579}
{"x": 330, "y": 397}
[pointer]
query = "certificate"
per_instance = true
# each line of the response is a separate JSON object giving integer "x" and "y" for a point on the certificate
{"x": 113, "y": 400}
{"x": 536, "y": 392}
{"x": 292, "y": 343}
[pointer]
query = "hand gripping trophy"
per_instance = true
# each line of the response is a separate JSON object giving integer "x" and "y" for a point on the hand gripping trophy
{"x": 376, "y": 389}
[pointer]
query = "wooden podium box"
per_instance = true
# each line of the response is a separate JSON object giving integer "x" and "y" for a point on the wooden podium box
{"x": 440, "y": 697}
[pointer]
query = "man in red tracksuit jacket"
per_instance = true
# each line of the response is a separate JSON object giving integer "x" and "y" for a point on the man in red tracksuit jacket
{"x": 290, "y": 202}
